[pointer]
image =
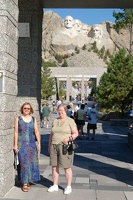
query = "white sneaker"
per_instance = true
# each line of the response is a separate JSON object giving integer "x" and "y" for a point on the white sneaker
{"x": 68, "y": 190}
{"x": 53, "y": 188}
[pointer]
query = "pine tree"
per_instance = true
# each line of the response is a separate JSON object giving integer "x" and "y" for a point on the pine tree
{"x": 117, "y": 83}
{"x": 62, "y": 92}
{"x": 125, "y": 20}
{"x": 65, "y": 63}
{"x": 48, "y": 83}
{"x": 84, "y": 47}
{"x": 59, "y": 58}
{"x": 77, "y": 50}
{"x": 48, "y": 64}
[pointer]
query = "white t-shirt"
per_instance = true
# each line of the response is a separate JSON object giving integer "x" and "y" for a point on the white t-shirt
{"x": 76, "y": 108}
{"x": 93, "y": 113}
{"x": 58, "y": 103}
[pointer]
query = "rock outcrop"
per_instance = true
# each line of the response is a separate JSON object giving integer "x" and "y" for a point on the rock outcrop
{"x": 63, "y": 36}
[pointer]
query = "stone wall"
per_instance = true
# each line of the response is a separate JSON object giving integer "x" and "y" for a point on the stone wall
{"x": 8, "y": 66}
{"x": 21, "y": 68}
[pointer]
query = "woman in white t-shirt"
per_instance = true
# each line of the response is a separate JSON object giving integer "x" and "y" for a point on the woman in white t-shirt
{"x": 92, "y": 121}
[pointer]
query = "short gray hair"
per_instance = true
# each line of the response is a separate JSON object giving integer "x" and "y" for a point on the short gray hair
{"x": 64, "y": 106}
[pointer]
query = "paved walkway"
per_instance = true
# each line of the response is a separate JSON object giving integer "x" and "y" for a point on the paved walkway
{"x": 102, "y": 170}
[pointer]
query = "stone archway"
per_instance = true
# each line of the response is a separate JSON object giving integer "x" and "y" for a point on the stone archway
{"x": 70, "y": 74}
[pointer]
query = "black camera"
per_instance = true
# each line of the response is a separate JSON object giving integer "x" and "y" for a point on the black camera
{"x": 64, "y": 149}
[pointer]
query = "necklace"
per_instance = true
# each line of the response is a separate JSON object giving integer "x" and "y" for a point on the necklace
{"x": 61, "y": 121}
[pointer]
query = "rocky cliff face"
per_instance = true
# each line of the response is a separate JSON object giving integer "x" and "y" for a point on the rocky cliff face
{"x": 63, "y": 36}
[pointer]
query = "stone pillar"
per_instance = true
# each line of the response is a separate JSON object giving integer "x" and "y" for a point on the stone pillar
{"x": 82, "y": 93}
{"x": 29, "y": 55}
{"x": 54, "y": 97}
{"x": 20, "y": 67}
{"x": 58, "y": 88}
{"x": 8, "y": 70}
{"x": 68, "y": 91}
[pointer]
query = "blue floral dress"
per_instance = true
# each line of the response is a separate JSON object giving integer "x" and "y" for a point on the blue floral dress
{"x": 28, "y": 155}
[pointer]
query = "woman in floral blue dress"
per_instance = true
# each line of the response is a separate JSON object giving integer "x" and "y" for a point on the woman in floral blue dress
{"x": 26, "y": 134}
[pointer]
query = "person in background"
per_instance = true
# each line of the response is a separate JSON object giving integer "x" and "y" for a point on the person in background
{"x": 73, "y": 110}
{"x": 58, "y": 102}
{"x": 63, "y": 130}
{"x": 77, "y": 108}
{"x": 25, "y": 135}
{"x": 69, "y": 111}
{"x": 76, "y": 98}
{"x": 92, "y": 121}
{"x": 86, "y": 108}
{"x": 80, "y": 120}
{"x": 130, "y": 115}
{"x": 83, "y": 100}
{"x": 46, "y": 114}
{"x": 54, "y": 106}
{"x": 41, "y": 116}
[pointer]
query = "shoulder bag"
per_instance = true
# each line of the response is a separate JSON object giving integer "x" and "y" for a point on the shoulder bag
{"x": 72, "y": 145}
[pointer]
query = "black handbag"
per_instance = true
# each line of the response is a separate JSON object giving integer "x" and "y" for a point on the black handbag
{"x": 72, "y": 145}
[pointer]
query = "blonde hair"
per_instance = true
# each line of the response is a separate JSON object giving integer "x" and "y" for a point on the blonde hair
{"x": 71, "y": 105}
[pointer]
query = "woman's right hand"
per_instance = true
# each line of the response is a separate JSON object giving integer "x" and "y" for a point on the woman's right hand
{"x": 49, "y": 149}
{"x": 15, "y": 148}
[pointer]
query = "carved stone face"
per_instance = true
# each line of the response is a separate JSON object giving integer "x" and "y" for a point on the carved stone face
{"x": 97, "y": 32}
{"x": 68, "y": 22}
{"x": 77, "y": 25}
{"x": 85, "y": 30}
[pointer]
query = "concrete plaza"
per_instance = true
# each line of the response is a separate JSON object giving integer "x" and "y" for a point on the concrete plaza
{"x": 102, "y": 170}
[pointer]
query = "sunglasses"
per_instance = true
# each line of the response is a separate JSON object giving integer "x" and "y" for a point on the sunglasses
{"x": 26, "y": 108}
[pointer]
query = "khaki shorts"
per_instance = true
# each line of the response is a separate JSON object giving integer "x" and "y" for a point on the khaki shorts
{"x": 46, "y": 118}
{"x": 58, "y": 159}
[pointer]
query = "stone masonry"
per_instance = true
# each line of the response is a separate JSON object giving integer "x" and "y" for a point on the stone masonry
{"x": 8, "y": 66}
{"x": 20, "y": 67}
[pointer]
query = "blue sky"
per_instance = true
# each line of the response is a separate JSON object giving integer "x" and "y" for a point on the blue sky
{"x": 87, "y": 16}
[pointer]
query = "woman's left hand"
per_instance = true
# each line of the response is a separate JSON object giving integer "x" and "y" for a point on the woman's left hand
{"x": 38, "y": 147}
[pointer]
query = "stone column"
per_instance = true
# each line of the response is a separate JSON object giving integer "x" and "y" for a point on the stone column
{"x": 68, "y": 91}
{"x": 58, "y": 88}
{"x": 82, "y": 93}
{"x": 8, "y": 70}
{"x": 29, "y": 55}
{"x": 20, "y": 67}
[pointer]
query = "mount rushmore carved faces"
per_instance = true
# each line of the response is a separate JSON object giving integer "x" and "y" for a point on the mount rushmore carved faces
{"x": 85, "y": 30}
{"x": 97, "y": 32}
{"x": 74, "y": 27}
{"x": 77, "y": 25}
{"x": 68, "y": 22}
{"x": 69, "y": 27}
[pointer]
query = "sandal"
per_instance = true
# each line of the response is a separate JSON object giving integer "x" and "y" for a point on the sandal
{"x": 25, "y": 188}
{"x": 28, "y": 186}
